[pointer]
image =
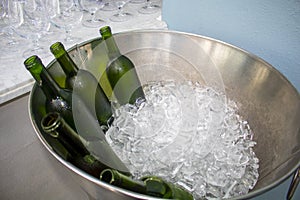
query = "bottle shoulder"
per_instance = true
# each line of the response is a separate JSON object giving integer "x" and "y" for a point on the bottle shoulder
{"x": 85, "y": 79}
{"x": 66, "y": 95}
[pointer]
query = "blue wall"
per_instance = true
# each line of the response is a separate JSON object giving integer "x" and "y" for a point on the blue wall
{"x": 269, "y": 29}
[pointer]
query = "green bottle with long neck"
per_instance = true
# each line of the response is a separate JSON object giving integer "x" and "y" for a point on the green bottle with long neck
{"x": 84, "y": 84}
{"x": 55, "y": 126}
{"x": 150, "y": 185}
{"x": 121, "y": 72}
{"x": 57, "y": 99}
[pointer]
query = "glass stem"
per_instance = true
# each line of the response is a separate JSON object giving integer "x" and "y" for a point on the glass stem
{"x": 120, "y": 11}
{"x": 68, "y": 34}
{"x": 93, "y": 16}
{"x": 149, "y": 4}
{"x": 36, "y": 44}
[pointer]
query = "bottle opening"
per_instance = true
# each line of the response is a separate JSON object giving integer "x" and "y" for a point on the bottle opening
{"x": 57, "y": 49}
{"x": 50, "y": 123}
{"x": 31, "y": 61}
{"x": 107, "y": 176}
{"x": 105, "y": 32}
{"x": 155, "y": 186}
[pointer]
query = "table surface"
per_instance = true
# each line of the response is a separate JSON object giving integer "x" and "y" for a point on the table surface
{"x": 15, "y": 80}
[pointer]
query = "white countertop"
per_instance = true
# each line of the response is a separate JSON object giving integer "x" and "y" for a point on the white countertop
{"x": 15, "y": 80}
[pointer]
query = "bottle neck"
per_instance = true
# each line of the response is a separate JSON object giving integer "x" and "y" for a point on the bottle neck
{"x": 42, "y": 77}
{"x": 67, "y": 64}
{"x": 64, "y": 59}
{"x": 113, "y": 50}
{"x": 49, "y": 85}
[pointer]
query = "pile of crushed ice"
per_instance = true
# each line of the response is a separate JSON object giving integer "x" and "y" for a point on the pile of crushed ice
{"x": 190, "y": 135}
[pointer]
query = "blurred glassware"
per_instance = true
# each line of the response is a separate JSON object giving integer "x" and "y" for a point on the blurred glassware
{"x": 34, "y": 25}
{"x": 3, "y": 15}
{"x": 92, "y": 6}
{"x": 109, "y": 5}
{"x": 53, "y": 34}
{"x": 137, "y": 1}
{"x": 8, "y": 38}
{"x": 66, "y": 16}
{"x": 12, "y": 19}
{"x": 121, "y": 16}
{"x": 3, "y": 9}
{"x": 12, "y": 16}
{"x": 149, "y": 8}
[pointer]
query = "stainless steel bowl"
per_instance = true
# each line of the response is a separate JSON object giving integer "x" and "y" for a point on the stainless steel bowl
{"x": 265, "y": 97}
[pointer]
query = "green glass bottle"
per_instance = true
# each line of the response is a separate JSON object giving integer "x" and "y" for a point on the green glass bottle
{"x": 150, "y": 185}
{"x": 57, "y": 99}
{"x": 55, "y": 126}
{"x": 121, "y": 72}
{"x": 84, "y": 84}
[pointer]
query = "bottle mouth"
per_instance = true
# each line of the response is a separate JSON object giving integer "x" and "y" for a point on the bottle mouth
{"x": 31, "y": 61}
{"x": 57, "y": 49}
{"x": 107, "y": 176}
{"x": 105, "y": 31}
{"x": 50, "y": 123}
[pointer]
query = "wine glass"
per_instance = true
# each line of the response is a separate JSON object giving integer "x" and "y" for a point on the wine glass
{"x": 67, "y": 16}
{"x": 149, "y": 8}
{"x": 109, "y": 6}
{"x": 121, "y": 16}
{"x": 8, "y": 38}
{"x": 11, "y": 18}
{"x": 34, "y": 26}
{"x": 52, "y": 34}
{"x": 3, "y": 11}
{"x": 92, "y": 6}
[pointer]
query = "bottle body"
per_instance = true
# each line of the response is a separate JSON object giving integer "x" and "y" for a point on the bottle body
{"x": 85, "y": 85}
{"x": 124, "y": 80}
{"x": 121, "y": 72}
{"x": 88, "y": 89}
